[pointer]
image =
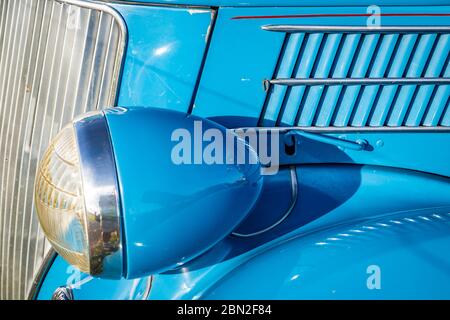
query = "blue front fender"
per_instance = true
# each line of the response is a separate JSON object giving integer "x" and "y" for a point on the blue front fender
{"x": 402, "y": 256}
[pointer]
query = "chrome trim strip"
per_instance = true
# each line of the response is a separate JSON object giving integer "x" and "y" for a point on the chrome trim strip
{"x": 294, "y": 195}
{"x": 101, "y": 195}
{"x": 351, "y": 129}
{"x": 148, "y": 288}
{"x": 103, "y": 8}
{"x": 343, "y": 143}
{"x": 356, "y": 29}
{"x": 45, "y": 267}
{"x": 155, "y": 4}
{"x": 120, "y": 57}
{"x": 208, "y": 38}
{"x": 356, "y": 81}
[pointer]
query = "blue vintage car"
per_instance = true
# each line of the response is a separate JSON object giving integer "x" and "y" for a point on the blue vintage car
{"x": 224, "y": 149}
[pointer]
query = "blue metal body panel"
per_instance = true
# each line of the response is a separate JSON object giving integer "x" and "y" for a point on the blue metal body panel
{"x": 409, "y": 251}
{"x": 339, "y": 206}
{"x": 408, "y": 150}
{"x": 164, "y": 55}
{"x": 86, "y": 287}
{"x": 333, "y": 199}
{"x": 347, "y": 216}
{"x": 173, "y": 212}
{"x": 231, "y": 82}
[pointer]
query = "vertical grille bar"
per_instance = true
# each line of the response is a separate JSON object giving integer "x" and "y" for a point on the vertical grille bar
{"x": 58, "y": 58}
{"x": 7, "y": 67}
{"x": 14, "y": 138}
{"x": 28, "y": 106}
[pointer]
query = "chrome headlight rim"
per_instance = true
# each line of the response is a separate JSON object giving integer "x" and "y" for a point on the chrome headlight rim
{"x": 101, "y": 195}
{"x": 77, "y": 197}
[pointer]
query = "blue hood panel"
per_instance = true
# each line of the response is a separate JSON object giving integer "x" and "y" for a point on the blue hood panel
{"x": 164, "y": 55}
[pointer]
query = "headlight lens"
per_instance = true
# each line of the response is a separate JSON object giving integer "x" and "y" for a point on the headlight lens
{"x": 60, "y": 202}
{"x": 76, "y": 197}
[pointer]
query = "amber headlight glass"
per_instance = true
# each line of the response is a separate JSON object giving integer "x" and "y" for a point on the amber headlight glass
{"x": 59, "y": 199}
{"x": 76, "y": 197}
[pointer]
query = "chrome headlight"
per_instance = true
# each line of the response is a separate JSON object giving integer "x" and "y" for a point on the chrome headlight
{"x": 76, "y": 197}
{"x": 168, "y": 213}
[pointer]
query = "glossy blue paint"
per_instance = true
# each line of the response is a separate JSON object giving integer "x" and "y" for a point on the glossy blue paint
{"x": 424, "y": 46}
{"x": 359, "y": 70}
{"x": 435, "y": 65}
{"x": 339, "y": 142}
{"x": 408, "y": 150}
{"x": 435, "y": 110}
{"x": 172, "y": 212}
{"x": 408, "y": 252}
{"x": 164, "y": 55}
{"x": 165, "y": 50}
{"x": 334, "y": 201}
{"x": 86, "y": 287}
{"x": 325, "y": 63}
{"x": 231, "y": 82}
{"x": 285, "y": 70}
{"x": 378, "y": 69}
{"x": 281, "y": 3}
{"x": 304, "y": 71}
{"x": 330, "y": 102}
{"x": 266, "y": 211}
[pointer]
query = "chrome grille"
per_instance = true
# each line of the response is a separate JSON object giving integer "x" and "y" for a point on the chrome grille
{"x": 316, "y": 56}
{"x": 57, "y": 59}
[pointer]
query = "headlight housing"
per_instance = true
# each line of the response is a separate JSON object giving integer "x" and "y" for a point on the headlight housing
{"x": 77, "y": 199}
{"x": 114, "y": 203}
